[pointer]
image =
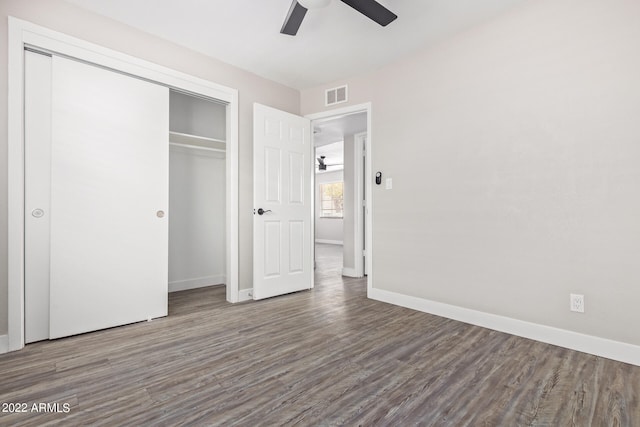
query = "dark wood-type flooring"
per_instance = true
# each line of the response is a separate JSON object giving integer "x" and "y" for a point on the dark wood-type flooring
{"x": 328, "y": 356}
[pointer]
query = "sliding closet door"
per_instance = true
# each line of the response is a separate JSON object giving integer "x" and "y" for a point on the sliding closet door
{"x": 37, "y": 194}
{"x": 109, "y": 196}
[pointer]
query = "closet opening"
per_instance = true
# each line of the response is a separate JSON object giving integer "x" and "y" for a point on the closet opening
{"x": 197, "y": 189}
{"x": 340, "y": 207}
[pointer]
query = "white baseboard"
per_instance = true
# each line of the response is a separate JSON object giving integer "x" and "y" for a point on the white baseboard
{"x": 329, "y": 242}
{"x": 198, "y": 282}
{"x": 616, "y": 350}
{"x": 350, "y": 272}
{"x": 4, "y": 344}
{"x": 245, "y": 295}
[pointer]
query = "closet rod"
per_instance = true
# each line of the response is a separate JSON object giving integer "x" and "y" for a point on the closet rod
{"x": 197, "y": 147}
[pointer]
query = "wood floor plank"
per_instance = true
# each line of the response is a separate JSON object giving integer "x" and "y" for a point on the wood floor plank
{"x": 329, "y": 356}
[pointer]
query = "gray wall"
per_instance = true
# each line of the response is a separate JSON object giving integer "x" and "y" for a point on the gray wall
{"x": 197, "y": 116}
{"x": 328, "y": 228}
{"x": 515, "y": 157}
{"x": 196, "y": 218}
{"x": 64, "y": 17}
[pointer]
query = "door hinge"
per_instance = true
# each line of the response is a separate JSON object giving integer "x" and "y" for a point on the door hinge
{"x": 364, "y": 253}
{"x": 364, "y": 203}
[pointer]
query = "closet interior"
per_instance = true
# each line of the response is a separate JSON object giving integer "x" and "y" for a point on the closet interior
{"x": 197, "y": 191}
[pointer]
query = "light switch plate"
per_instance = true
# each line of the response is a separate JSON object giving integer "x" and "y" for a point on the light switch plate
{"x": 388, "y": 184}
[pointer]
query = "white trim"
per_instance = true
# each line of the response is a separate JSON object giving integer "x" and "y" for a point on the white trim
{"x": 359, "y": 140}
{"x": 4, "y": 343}
{"x": 15, "y": 297}
{"x": 368, "y": 220}
{"x": 23, "y": 33}
{"x": 245, "y": 295}
{"x": 53, "y": 41}
{"x": 338, "y": 112}
{"x": 198, "y": 282}
{"x": 329, "y": 242}
{"x": 350, "y": 272}
{"x": 232, "y": 202}
{"x": 616, "y": 350}
{"x": 311, "y": 264}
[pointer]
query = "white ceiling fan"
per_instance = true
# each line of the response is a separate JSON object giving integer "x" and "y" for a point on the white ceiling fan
{"x": 369, "y": 8}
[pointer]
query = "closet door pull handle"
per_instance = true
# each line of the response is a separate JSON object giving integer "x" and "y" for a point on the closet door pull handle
{"x": 262, "y": 211}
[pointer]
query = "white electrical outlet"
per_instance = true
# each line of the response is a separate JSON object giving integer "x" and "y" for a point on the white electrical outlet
{"x": 576, "y": 303}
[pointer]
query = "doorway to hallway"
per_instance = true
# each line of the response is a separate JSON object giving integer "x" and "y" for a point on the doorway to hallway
{"x": 339, "y": 188}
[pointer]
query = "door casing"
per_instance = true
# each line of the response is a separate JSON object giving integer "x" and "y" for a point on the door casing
{"x": 368, "y": 217}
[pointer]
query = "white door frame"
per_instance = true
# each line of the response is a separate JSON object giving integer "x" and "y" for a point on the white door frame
{"x": 368, "y": 220}
{"x": 359, "y": 142}
{"x": 23, "y": 33}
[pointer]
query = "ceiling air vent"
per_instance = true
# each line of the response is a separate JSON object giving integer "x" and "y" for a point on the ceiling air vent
{"x": 337, "y": 95}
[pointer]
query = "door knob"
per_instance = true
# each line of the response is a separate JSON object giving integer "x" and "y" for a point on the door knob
{"x": 262, "y": 211}
{"x": 37, "y": 213}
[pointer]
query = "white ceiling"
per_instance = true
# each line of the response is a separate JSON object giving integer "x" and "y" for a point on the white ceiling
{"x": 334, "y": 129}
{"x": 328, "y": 137}
{"x": 333, "y": 43}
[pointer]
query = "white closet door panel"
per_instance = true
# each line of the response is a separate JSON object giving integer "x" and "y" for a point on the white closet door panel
{"x": 109, "y": 180}
{"x": 37, "y": 137}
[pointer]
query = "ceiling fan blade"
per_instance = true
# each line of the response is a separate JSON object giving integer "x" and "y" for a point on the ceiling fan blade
{"x": 294, "y": 19}
{"x": 373, "y": 10}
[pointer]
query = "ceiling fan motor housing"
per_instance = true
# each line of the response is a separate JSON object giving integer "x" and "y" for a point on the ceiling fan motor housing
{"x": 314, "y": 4}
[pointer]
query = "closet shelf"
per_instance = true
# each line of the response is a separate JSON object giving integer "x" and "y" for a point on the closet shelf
{"x": 179, "y": 136}
{"x": 198, "y": 147}
{"x": 197, "y": 142}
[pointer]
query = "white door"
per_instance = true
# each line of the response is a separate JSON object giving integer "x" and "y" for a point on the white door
{"x": 109, "y": 196}
{"x": 282, "y": 196}
{"x": 37, "y": 184}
